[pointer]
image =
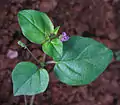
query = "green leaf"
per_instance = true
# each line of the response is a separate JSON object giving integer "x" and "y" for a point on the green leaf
{"x": 36, "y": 26}
{"x": 56, "y": 30}
{"x": 28, "y": 79}
{"x": 21, "y": 44}
{"x": 83, "y": 60}
{"x": 53, "y": 48}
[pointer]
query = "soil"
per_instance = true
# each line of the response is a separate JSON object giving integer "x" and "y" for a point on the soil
{"x": 99, "y": 19}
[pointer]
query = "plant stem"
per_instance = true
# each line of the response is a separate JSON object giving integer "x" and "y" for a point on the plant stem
{"x": 25, "y": 47}
{"x": 32, "y": 54}
{"x": 50, "y": 62}
{"x": 32, "y": 100}
{"x": 44, "y": 57}
{"x": 25, "y": 99}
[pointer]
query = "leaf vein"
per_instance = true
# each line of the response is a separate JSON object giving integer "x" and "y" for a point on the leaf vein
{"x": 67, "y": 75}
{"x": 25, "y": 81}
{"x": 33, "y": 24}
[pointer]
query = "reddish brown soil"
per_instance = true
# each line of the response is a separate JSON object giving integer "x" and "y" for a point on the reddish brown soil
{"x": 100, "y": 18}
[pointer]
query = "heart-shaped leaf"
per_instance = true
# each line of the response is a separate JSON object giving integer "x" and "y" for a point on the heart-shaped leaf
{"x": 83, "y": 60}
{"x": 36, "y": 26}
{"x": 28, "y": 79}
{"x": 53, "y": 48}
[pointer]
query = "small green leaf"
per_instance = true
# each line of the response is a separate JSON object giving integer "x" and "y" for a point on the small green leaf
{"x": 53, "y": 48}
{"x": 28, "y": 79}
{"x": 21, "y": 44}
{"x": 56, "y": 30}
{"x": 36, "y": 26}
{"x": 83, "y": 60}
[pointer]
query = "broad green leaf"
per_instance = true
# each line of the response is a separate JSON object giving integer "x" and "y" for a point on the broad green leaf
{"x": 83, "y": 60}
{"x": 56, "y": 30}
{"x": 36, "y": 26}
{"x": 28, "y": 79}
{"x": 53, "y": 48}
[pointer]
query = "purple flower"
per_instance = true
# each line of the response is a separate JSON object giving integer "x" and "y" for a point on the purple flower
{"x": 64, "y": 37}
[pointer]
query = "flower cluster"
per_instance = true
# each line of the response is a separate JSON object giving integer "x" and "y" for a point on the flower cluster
{"x": 64, "y": 37}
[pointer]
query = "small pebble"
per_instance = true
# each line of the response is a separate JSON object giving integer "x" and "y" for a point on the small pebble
{"x": 12, "y": 54}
